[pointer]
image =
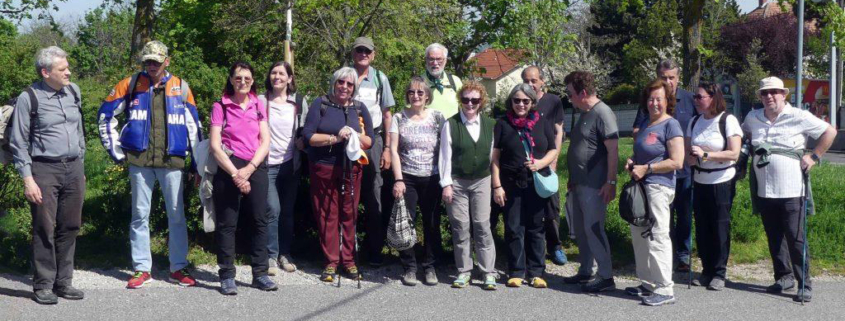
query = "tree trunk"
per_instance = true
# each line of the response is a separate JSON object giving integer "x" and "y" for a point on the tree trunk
{"x": 693, "y": 16}
{"x": 142, "y": 30}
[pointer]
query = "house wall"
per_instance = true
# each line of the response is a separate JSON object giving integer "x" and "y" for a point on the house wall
{"x": 498, "y": 89}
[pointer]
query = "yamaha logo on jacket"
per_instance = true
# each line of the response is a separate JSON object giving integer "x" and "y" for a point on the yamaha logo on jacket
{"x": 183, "y": 125}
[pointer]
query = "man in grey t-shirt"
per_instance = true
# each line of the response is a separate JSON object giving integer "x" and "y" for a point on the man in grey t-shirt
{"x": 591, "y": 159}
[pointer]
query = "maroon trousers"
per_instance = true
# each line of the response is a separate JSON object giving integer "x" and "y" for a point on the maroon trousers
{"x": 336, "y": 211}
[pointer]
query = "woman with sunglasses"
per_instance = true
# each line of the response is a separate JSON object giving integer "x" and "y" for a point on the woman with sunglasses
{"x": 513, "y": 183}
{"x": 240, "y": 140}
{"x": 658, "y": 153}
{"x": 466, "y": 142}
{"x": 414, "y": 142}
{"x": 712, "y": 155}
{"x": 333, "y": 124}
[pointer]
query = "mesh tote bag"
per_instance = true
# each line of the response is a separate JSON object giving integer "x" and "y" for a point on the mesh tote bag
{"x": 401, "y": 234}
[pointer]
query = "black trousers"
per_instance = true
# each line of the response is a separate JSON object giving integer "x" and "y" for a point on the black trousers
{"x": 712, "y": 205}
{"x": 524, "y": 231}
{"x": 375, "y": 222}
{"x": 552, "y": 224}
{"x": 56, "y": 222}
{"x": 425, "y": 192}
{"x": 783, "y": 221}
{"x": 230, "y": 206}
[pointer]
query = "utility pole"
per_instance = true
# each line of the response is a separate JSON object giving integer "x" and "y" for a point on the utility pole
{"x": 799, "y": 68}
{"x": 289, "y": 26}
{"x": 833, "y": 81}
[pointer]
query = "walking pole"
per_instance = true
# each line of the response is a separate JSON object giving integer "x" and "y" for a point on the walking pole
{"x": 804, "y": 244}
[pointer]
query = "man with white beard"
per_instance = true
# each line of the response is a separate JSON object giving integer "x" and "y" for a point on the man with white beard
{"x": 444, "y": 86}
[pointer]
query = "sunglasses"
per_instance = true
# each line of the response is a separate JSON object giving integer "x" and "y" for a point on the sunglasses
{"x": 419, "y": 93}
{"x": 245, "y": 80}
{"x": 363, "y": 50}
{"x": 345, "y": 83}
{"x": 517, "y": 101}
{"x": 468, "y": 101}
{"x": 772, "y": 92}
{"x": 699, "y": 97}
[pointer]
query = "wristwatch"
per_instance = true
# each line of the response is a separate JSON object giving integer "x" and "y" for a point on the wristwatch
{"x": 704, "y": 157}
{"x": 815, "y": 157}
{"x": 612, "y": 182}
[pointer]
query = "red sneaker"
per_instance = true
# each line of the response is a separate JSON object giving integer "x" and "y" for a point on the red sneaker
{"x": 183, "y": 278}
{"x": 139, "y": 279}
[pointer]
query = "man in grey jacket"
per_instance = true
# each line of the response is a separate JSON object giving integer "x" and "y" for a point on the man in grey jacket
{"x": 48, "y": 147}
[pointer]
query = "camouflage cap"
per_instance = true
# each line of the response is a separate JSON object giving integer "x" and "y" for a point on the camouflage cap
{"x": 154, "y": 50}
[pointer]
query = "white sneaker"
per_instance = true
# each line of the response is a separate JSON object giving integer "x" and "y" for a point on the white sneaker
{"x": 273, "y": 269}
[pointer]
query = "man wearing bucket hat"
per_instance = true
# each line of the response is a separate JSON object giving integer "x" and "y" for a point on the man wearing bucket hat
{"x": 779, "y": 135}
{"x": 161, "y": 128}
{"x": 375, "y": 92}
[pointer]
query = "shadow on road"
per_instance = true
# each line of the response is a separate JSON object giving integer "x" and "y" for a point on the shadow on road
{"x": 16, "y": 293}
{"x": 335, "y": 305}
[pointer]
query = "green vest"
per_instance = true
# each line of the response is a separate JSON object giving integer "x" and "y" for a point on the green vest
{"x": 470, "y": 159}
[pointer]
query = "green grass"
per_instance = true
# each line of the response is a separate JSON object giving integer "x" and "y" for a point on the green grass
{"x": 104, "y": 241}
{"x": 748, "y": 240}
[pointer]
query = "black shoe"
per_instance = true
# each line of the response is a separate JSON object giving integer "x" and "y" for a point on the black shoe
{"x": 782, "y": 284}
{"x": 264, "y": 283}
{"x": 45, "y": 296}
{"x": 805, "y": 296}
{"x": 353, "y": 273}
{"x": 577, "y": 278}
{"x": 639, "y": 291}
{"x": 69, "y": 293}
{"x": 599, "y": 285}
{"x": 228, "y": 287}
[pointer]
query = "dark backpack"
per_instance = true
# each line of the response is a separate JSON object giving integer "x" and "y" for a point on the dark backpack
{"x": 634, "y": 207}
{"x": 5, "y": 135}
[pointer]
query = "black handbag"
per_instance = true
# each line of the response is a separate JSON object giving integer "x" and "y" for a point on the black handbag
{"x": 634, "y": 207}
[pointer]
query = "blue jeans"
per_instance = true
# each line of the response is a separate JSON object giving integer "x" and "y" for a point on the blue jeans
{"x": 142, "y": 180}
{"x": 281, "y": 198}
{"x": 681, "y": 227}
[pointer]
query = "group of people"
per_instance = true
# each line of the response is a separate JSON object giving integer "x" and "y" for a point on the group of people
{"x": 443, "y": 152}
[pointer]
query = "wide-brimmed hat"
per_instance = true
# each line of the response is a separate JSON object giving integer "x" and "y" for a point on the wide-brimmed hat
{"x": 772, "y": 83}
{"x": 365, "y": 42}
{"x": 154, "y": 50}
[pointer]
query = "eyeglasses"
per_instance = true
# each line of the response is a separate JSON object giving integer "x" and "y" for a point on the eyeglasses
{"x": 437, "y": 60}
{"x": 345, "y": 83}
{"x": 468, "y": 101}
{"x": 517, "y": 101}
{"x": 772, "y": 92}
{"x": 699, "y": 97}
{"x": 419, "y": 93}
{"x": 241, "y": 79}
{"x": 152, "y": 63}
{"x": 363, "y": 50}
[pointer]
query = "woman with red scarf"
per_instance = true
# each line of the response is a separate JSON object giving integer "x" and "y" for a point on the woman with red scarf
{"x": 513, "y": 184}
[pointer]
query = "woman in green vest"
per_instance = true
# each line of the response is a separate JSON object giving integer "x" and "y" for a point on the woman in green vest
{"x": 466, "y": 142}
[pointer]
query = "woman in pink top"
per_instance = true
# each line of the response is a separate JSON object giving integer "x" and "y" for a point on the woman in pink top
{"x": 240, "y": 141}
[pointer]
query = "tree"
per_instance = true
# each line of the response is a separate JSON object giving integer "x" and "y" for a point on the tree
{"x": 142, "y": 29}
{"x": 693, "y": 19}
{"x": 22, "y": 9}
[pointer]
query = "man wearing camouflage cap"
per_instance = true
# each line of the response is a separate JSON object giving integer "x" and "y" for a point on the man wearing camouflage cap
{"x": 161, "y": 127}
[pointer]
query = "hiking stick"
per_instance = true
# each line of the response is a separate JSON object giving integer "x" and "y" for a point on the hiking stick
{"x": 804, "y": 244}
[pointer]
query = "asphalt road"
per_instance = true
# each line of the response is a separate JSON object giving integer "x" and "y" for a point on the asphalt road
{"x": 302, "y": 297}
